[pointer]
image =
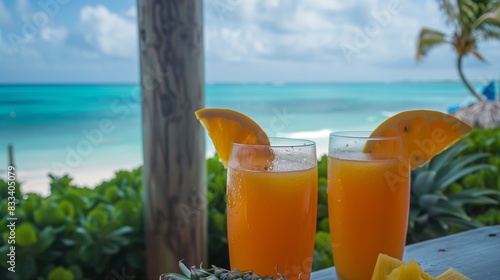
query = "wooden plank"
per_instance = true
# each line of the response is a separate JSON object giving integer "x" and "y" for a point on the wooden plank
{"x": 11, "y": 155}
{"x": 171, "y": 52}
{"x": 475, "y": 253}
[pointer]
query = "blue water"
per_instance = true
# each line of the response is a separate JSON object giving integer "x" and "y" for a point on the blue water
{"x": 49, "y": 125}
{"x": 338, "y": 106}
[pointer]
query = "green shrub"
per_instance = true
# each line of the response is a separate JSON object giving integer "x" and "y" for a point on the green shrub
{"x": 487, "y": 141}
{"x": 218, "y": 250}
{"x": 77, "y": 233}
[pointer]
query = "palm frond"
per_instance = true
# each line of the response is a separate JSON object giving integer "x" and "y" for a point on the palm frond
{"x": 449, "y": 9}
{"x": 468, "y": 12}
{"x": 488, "y": 19}
{"x": 475, "y": 53}
{"x": 489, "y": 35}
{"x": 427, "y": 39}
{"x": 487, "y": 31}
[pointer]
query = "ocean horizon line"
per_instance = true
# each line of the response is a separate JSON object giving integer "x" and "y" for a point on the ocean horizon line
{"x": 278, "y": 83}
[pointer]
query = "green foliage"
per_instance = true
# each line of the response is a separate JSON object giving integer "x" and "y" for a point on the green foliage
{"x": 323, "y": 255}
{"x": 435, "y": 210}
{"x": 218, "y": 250}
{"x": 77, "y": 233}
{"x": 60, "y": 273}
{"x": 25, "y": 234}
{"x": 485, "y": 141}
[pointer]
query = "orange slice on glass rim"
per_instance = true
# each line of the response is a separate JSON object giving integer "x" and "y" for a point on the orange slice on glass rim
{"x": 226, "y": 127}
{"x": 424, "y": 134}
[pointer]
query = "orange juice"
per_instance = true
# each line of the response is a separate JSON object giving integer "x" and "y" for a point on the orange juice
{"x": 272, "y": 220}
{"x": 368, "y": 199}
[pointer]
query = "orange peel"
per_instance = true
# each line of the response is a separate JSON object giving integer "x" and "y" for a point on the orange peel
{"x": 226, "y": 127}
{"x": 424, "y": 134}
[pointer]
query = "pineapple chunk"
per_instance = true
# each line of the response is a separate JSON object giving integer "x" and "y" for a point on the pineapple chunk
{"x": 385, "y": 264}
{"x": 452, "y": 274}
{"x": 389, "y": 268}
{"x": 409, "y": 271}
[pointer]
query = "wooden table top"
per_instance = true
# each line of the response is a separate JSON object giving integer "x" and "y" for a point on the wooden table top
{"x": 474, "y": 253}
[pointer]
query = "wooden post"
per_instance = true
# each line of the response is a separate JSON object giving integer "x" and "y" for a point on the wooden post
{"x": 11, "y": 155}
{"x": 172, "y": 80}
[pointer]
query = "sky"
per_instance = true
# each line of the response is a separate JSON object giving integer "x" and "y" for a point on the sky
{"x": 246, "y": 41}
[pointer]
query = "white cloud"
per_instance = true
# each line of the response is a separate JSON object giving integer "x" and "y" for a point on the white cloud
{"x": 55, "y": 35}
{"x": 113, "y": 34}
{"x": 132, "y": 12}
{"x": 4, "y": 14}
{"x": 286, "y": 29}
{"x": 314, "y": 30}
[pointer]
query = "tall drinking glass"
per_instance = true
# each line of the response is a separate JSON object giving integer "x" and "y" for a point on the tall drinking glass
{"x": 368, "y": 201}
{"x": 272, "y": 194}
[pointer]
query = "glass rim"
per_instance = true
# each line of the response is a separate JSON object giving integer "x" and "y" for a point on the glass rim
{"x": 362, "y": 134}
{"x": 293, "y": 143}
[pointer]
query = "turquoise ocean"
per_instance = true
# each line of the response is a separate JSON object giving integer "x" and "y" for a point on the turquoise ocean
{"x": 91, "y": 131}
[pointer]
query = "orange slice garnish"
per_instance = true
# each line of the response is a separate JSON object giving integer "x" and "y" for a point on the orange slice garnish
{"x": 226, "y": 127}
{"x": 424, "y": 134}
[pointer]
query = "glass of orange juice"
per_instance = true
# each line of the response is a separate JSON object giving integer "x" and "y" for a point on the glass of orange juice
{"x": 368, "y": 201}
{"x": 272, "y": 194}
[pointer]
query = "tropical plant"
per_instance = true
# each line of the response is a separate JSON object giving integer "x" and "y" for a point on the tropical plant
{"x": 218, "y": 250}
{"x": 75, "y": 233}
{"x": 434, "y": 211}
{"x": 472, "y": 21}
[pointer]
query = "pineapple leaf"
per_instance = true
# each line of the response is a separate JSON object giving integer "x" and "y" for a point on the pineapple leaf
{"x": 422, "y": 219}
{"x": 440, "y": 160}
{"x": 174, "y": 276}
{"x": 428, "y": 200}
{"x": 194, "y": 275}
{"x": 474, "y": 196}
{"x": 447, "y": 208}
{"x": 185, "y": 269}
{"x": 481, "y": 192}
{"x": 201, "y": 273}
{"x": 414, "y": 213}
{"x": 460, "y": 163}
{"x": 449, "y": 178}
{"x": 423, "y": 182}
{"x": 474, "y": 200}
{"x": 454, "y": 221}
{"x": 437, "y": 227}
